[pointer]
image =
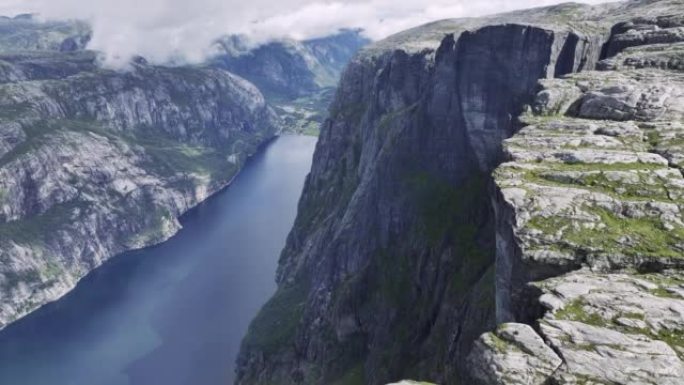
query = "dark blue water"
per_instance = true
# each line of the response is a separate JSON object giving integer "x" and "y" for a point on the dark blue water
{"x": 173, "y": 314}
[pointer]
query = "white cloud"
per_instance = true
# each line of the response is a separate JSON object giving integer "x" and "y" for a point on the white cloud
{"x": 163, "y": 30}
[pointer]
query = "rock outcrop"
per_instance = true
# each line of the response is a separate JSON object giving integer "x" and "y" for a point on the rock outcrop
{"x": 94, "y": 162}
{"x": 592, "y": 185}
{"x": 406, "y": 249}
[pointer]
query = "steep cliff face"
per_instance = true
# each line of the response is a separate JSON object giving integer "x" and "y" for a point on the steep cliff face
{"x": 397, "y": 261}
{"x": 94, "y": 162}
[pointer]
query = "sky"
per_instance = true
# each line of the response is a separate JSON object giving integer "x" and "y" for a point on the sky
{"x": 161, "y": 30}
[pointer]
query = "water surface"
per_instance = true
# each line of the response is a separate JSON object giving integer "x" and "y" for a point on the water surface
{"x": 173, "y": 314}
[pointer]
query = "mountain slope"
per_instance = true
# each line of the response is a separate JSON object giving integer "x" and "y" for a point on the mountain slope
{"x": 94, "y": 162}
{"x": 290, "y": 68}
{"x": 23, "y": 32}
{"x": 404, "y": 252}
{"x": 297, "y": 77}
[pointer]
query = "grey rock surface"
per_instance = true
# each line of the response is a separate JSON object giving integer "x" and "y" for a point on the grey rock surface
{"x": 592, "y": 182}
{"x": 514, "y": 353}
{"x": 615, "y": 328}
{"x": 405, "y": 250}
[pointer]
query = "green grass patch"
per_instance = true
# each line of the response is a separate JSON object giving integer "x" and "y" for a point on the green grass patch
{"x": 276, "y": 323}
{"x": 599, "y": 182}
{"x": 454, "y": 215}
{"x": 169, "y": 158}
{"x": 13, "y": 278}
{"x": 395, "y": 277}
{"x": 674, "y": 338}
{"x": 633, "y": 315}
{"x": 350, "y": 112}
{"x": 51, "y": 271}
{"x": 575, "y": 311}
{"x": 35, "y": 135}
{"x": 36, "y": 229}
{"x": 388, "y": 119}
{"x": 601, "y": 166}
{"x": 355, "y": 376}
{"x": 647, "y": 236}
{"x": 662, "y": 292}
{"x": 499, "y": 345}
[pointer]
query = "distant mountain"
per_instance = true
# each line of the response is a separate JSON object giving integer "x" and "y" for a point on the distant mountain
{"x": 24, "y": 33}
{"x": 290, "y": 68}
{"x": 297, "y": 77}
{"x": 94, "y": 162}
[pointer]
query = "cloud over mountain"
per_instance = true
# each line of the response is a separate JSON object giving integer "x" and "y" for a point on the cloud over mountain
{"x": 163, "y": 30}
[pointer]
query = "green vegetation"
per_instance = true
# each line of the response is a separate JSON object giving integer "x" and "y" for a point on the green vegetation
{"x": 653, "y": 138}
{"x": 355, "y": 376}
{"x": 312, "y": 129}
{"x": 575, "y": 311}
{"x": 633, "y": 315}
{"x": 663, "y": 280}
{"x": 169, "y": 157}
{"x": 304, "y": 115}
{"x": 395, "y": 277}
{"x": 602, "y": 166}
{"x": 447, "y": 209}
{"x": 647, "y": 236}
{"x": 388, "y": 119}
{"x": 598, "y": 181}
{"x": 663, "y": 292}
{"x": 499, "y": 345}
{"x": 166, "y": 156}
{"x": 351, "y": 112}
{"x": 455, "y": 215}
{"x": 276, "y": 324}
{"x": 13, "y": 111}
{"x": 155, "y": 221}
{"x": 35, "y": 135}
{"x": 674, "y": 338}
{"x": 51, "y": 271}
{"x": 13, "y": 278}
{"x": 39, "y": 227}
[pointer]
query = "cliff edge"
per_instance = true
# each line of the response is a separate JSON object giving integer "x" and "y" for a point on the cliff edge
{"x": 517, "y": 170}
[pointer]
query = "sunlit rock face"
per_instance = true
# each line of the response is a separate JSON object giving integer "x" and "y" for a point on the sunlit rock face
{"x": 94, "y": 162}
{"x": 470, "y": 171}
